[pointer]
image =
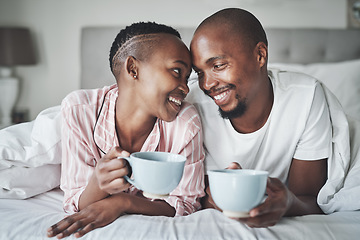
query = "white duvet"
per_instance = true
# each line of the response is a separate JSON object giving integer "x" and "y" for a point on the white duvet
{"x": 341, "y": 191}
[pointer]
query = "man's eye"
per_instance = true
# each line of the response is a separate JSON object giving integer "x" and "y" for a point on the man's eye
{"x": 219, "y": 66}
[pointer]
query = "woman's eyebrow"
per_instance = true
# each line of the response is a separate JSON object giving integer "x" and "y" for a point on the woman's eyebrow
{"x": 182, "y": 62}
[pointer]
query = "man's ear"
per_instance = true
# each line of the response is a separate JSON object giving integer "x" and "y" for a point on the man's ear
{"x": 131, "y": 66}
{"x": 262, "y": 53}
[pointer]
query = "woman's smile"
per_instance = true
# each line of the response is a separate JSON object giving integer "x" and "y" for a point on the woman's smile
{"x": 175, "y": 102}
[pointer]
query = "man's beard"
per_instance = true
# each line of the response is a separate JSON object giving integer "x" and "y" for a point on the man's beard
{"x": 238, "y": 111}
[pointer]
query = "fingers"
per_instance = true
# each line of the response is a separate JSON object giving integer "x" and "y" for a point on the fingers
{"x": 65, "y": 227}
{"x": 110, "y": 175}
{"x": 85, "y": 230}
{"x": 273, "y": 185}
{"x": 234, "y": 165}
{"x": 264, "y": 221}
{"x": 117, "y": 152}
{"x": 117, "y": 185}
{"x": 113, "y": 161}
{"x": 265, "y": 215}
{"x": 264, "y": 208}
{"x": 272, "y": 209}
{"x": 72, "y": 225}
{"x": 209, "y": 202}
{"x": 117, "y": 167}
{"x": 106, "y": 171}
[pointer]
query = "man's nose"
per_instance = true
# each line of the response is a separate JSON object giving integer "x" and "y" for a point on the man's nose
{"x": 208, "y": 82}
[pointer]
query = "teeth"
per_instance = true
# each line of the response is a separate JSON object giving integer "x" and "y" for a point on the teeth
{"x": 174, "y": 100}
{"x": 218, "y": 97}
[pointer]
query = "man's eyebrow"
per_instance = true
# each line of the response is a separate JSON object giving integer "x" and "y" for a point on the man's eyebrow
{"x": 214, "y": 58}
{"x": 209, "y": 61}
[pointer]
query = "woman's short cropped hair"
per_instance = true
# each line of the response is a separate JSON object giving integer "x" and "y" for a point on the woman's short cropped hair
{"x": 136, "y": 39}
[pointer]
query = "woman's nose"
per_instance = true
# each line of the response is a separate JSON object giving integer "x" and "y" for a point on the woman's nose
{"x": 184, "y": 88}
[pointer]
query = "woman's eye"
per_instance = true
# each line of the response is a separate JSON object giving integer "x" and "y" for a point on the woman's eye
{"x": 177, "y": 71}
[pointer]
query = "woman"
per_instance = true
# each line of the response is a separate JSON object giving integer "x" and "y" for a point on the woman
{"x": 144, "y": 111}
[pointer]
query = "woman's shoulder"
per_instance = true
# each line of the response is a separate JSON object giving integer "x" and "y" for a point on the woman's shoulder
{"x": 185, "y": 127}
{"x": 85, "y": 97}
{"x": 188, "y": 117}
{"x": 188, "y": 111}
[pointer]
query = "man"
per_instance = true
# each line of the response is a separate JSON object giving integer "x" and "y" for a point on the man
{"x": 269, "y": 120}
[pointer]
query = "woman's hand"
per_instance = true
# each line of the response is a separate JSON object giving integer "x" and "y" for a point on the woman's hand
{"x": 104, "y": 212}
{"x": 110, "y": 171}
{"x": 107, "y": 179}
{"x": 94, "y": 216}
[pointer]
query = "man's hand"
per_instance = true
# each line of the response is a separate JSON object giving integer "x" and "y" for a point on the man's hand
{"x": 270, "y": 211}
{"x": 273, "y": 208}
{"x": 305, "y": 181}
{"x": 208, "y": 202}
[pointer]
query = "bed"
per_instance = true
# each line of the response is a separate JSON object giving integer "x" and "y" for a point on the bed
{"x": 30, "y": 152}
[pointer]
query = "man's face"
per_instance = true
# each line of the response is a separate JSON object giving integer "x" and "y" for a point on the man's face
{"x": 228, "y": 70}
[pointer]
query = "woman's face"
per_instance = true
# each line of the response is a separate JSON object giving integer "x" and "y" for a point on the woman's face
{"x": 162, "y": 79}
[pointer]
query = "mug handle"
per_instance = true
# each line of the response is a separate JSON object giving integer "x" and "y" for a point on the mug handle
{"x": 126, "y": 177}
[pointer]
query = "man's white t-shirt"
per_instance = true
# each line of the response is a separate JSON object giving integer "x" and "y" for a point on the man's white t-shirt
{"x": 298, "y": 127}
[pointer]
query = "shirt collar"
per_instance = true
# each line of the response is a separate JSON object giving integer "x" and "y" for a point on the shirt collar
{"x": 105, "y": 131}
{"x": 105, "y": 134}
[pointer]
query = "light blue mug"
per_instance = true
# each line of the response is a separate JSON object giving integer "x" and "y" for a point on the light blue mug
{"x": 156, "y": 173}
{"x": 237, "y": 191}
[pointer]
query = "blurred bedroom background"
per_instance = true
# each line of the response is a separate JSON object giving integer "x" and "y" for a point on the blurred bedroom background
{"x": 55, "y": 28}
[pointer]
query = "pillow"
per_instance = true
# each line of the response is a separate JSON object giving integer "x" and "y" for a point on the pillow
{"x": 34, "y": 143}
{"x": 30, "y": 156}
{"x": 342, "y": 78}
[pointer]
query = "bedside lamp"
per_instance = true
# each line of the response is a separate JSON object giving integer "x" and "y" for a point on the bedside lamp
{"x": 15, "y": 49}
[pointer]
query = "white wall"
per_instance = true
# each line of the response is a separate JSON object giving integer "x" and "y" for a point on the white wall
{"x": 56, "y": 29}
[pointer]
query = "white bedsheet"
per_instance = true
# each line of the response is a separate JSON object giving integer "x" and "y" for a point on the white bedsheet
{"x": 29, "y": 219}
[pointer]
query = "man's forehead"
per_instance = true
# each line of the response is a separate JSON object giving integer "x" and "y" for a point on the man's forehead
{"x": 207, "y": 46}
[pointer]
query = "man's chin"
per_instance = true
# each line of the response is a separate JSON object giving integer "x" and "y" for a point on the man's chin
{"x": 238, "y": 111}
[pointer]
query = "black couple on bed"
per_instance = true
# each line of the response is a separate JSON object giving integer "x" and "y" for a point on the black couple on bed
{"x": 274, "y": 121}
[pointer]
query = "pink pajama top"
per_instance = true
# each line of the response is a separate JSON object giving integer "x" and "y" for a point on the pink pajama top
{"x": 88, "y": 125}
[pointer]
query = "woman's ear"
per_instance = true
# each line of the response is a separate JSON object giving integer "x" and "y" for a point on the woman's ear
{"x": 262, "y": 53}
{"x": 131, "y": 66}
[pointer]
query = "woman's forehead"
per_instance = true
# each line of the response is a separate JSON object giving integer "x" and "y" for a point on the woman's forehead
{"x": 171, "y": 46}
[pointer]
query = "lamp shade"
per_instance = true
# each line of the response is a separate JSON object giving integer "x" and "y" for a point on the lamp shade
{"x": 16, "y": 47}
